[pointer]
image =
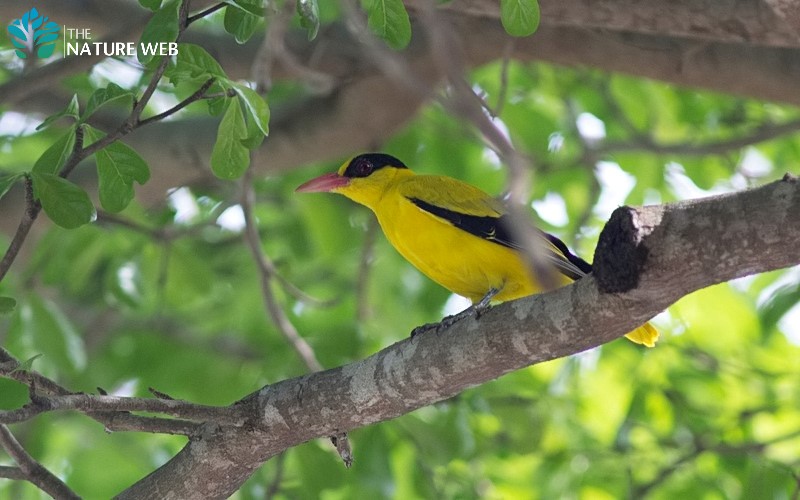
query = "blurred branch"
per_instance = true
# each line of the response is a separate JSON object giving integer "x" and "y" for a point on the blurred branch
{"x": 700, "y": 447}
{"x": 762, "y": 133}
{"x": 747, "y": 21}
{"x": 275, "y": 484}
{"x": 9, "y": 472}
{"x": 267, "y": 273}
{"x": 463, "y": 102}
{"x": 588, "y": 161}
{"x": 33, "y": 471}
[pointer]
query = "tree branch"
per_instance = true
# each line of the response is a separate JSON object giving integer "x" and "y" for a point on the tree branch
{"x": 762, "y": 133}
{"x": 32, "y": 470}
{"x": 43, "y": 387}
{"x": 267, "y": 272}
{"x": 674, "y": 249}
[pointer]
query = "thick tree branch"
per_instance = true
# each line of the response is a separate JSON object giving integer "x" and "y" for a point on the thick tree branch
{"x": 749, "y": 21}
{"x": 678, "y": 248}
{"x": 334, "y": 125}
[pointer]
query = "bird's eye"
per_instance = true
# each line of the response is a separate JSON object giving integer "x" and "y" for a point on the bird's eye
{"x": 362, "y": 168}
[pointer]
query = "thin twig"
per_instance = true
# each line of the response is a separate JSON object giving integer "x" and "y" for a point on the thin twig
{"x": 266, "y": 274}
{"x": 9, "y": 368}
{"x": 34, "y": 472}
{"x": 89, "y": 403}
{"x": 32, "y": 208}
{"x": 205, "y": 13}
{"x": 196, "y": 96}
{"x": 10, "y": 472}
{"x": 275, "y": 484}
{"x": 508, "y": 52}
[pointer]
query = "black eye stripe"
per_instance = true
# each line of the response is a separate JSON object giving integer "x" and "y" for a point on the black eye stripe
{"x": 364, "y": 165}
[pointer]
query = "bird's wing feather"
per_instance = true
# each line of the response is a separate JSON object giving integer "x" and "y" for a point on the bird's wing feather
{"x": 451, "y": 194}
{"x": 472, "y": 210}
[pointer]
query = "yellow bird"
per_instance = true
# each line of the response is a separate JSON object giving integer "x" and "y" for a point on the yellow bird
{"x": 453, "y": 232}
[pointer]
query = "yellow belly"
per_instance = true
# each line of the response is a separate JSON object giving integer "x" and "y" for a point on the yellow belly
{"x": 459, "y": 261}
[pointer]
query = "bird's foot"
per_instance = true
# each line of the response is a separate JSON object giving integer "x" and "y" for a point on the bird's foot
{"x": 477, "y": 310}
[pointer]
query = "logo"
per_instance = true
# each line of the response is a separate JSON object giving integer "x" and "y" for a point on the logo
{"x": 33, "y": 34}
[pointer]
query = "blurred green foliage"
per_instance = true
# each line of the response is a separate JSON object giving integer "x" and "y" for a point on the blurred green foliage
{"x": 169, "y": 298}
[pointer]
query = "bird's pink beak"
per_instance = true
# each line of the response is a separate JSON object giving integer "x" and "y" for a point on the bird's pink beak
{"x": 323, "y": 183}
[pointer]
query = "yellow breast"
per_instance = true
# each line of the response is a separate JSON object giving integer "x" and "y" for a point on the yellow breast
{"x": 459, "y": 261}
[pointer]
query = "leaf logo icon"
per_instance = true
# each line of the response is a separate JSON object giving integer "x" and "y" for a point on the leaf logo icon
{"x": 34, "y": 34}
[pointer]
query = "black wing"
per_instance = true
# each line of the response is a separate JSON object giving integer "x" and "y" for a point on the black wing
{"x": 496, "y": 230}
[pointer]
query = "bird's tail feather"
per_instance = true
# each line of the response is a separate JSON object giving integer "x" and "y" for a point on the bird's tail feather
{"x": 645, "y": 334}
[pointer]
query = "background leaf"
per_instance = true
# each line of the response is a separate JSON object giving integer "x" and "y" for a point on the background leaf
{"x": 389, "y": 20}
{"x": 7, "y": 305}
{"x": 308, "y": 10}
{"x": 150, "y": 4}
{"x": 100, "y": 97}
{"x": 7, "y": 182}
{"x": 65, "y": 203}
{"x": 240, "y": 21}
{"x": 162, "y": 28}
{"x": 230, "y": 158}
{"x": 519, "y": 17}
{"x": 72, "y": 111}
{"x": 117, "y": 167}
{"x": 255, "y": 106}
{"x": 56, "y": 155}
{"x": 194, "y": 63}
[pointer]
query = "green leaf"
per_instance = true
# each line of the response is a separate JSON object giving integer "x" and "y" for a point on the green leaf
{"x": 91, "y": 134}
{"x": 27, "y": 365}
{"x": 56, "y": 155}
{"x": 255, "y": 105}
{"x": 100, "y": 97}
{"x": 308, "y": 10}
{"x": 194, "y": 63}
{"x": 255, "y": 7}
{"x": 72, "y": 110}
{"x": 118, "y": 165}
{"x": 64, "y": 202}
{"x": 230, "y": 158}
{"x": 240, "y": 22}
{"x": 389, "y": 20}
{"x": 254, "y": 137}
{"x": 150, "y": 4}
{"x": 519, "y": 17}
{"x": 216, "y": 105}
{"x": 162, "y": 28}
{"x": 7, "y": 182}
{"x": 7, "y": 305}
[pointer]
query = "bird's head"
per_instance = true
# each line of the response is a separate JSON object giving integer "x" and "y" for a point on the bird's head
{"x": 363, "y": 179}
